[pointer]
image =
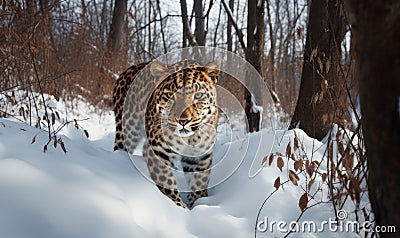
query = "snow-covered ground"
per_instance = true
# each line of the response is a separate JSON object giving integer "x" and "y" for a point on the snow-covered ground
{"x": 91, "y": 191}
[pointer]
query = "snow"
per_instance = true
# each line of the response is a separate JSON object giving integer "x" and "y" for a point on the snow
{"x": 91, "y": 191}
{"x": 256, "y": 108}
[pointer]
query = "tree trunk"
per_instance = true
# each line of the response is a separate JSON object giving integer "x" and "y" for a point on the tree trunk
{"x": 229, "y": 29}
{"x": 199, "y": 32}
{"x": 117, "y": 27}
{"x": 162, "y": 28}
{"x": 187, "y": 35}
{"x": 376, "y": 32}
{"x": 254, "y": 55}
{"x": 271, "y": 53}
{"x": 319, "y": 94}
{"x": 234, "y": 24}
{"x": 149, "y": 39}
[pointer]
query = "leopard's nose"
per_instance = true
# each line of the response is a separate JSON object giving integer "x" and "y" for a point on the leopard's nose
{"x": 183, "y": 122}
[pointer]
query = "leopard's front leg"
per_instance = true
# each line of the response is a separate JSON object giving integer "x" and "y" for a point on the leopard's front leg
{"x": 161, "y": 173}
{"x": 197, "y": 173}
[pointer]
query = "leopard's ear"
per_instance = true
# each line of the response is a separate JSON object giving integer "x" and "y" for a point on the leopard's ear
{"x": 158, "y": 69}
{"x": 213, "y": 70}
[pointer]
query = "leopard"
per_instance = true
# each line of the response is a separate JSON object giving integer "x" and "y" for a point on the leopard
{"x": 172, "y": 112}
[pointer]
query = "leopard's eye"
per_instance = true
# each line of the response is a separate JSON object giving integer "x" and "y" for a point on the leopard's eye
{"x": 169, "y": 94}
{"x": 198, "y": 95}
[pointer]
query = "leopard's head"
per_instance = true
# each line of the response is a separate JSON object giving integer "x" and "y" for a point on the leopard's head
{"x": 185, "y": 100}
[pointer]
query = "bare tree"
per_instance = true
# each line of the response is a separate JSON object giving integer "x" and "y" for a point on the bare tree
{"x": 187, "y": 35}
{"x": 229, "y": 28}
{"x": 234, "y": 24}
{"x": 199, "y": 31}
{"x": 255, "y": 56}
{"x": 319, "y": 94}
{"x": 254, "y": 52}
{"x": 376, "y": 32}
{"x": 162, "y": 28}
{"x": 117, "y": 26}
{"x": 271, "y": 53}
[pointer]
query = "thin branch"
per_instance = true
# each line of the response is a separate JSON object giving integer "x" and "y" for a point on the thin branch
{"x": 186, "y": 26}
{"x": 40, "y": 86}
{"x": 238, "y": 31}
{"x": 162, "y": 28}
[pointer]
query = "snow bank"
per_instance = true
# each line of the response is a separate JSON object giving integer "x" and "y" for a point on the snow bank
{"x": 92, "y": 191}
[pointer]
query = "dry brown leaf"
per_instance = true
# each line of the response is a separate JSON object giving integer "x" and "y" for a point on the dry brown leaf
{"x": 333, "y": 169}
{"x": 315, "y": 98}
{"x": 56, "y": 96}
{"x": 313, "y": 54}
{"x": 277, "y": 183}
{"x": 338, "y": 134}
{"x": 280, "y": 163}
{"x": 53, "y": 118}
{"x": 33, "y": 49}
{"x": 271, "y": 159}
{"x": 321, "y": 69}
{"x": 292, "y": 157}
{"x": 264, "y": 160}
{"x": 320, "y": 97}
{"x": 295, "y": 142}
{"x": 303, "y": 201}
{"x": 86, "y": 133}
{"x": 63, "y": 146}
{"x": 330, "y": 152}
{"x": 348, "y": 161}
{"x": 351, "y": 161}
{"x": 340, "y": 148}
{"x": 67, "y": 77}
{"x": 293, "y": 177}
{"x": 288, "y": 150}
{"x": 324, "y": 85}
{"x": 324, "y": 175}
{"x": 298, "y": 165}
{"x": 315, "y": 164}
{"x": 299, "y": 31}
{"x": 328, "y": 65}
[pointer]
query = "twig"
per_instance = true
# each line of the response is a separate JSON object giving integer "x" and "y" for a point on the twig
{"x": 301, "y": 214}
{"x": 40, "y": 87}
{"x": 262, "y": 206}
{"x": 238, "y": 31}
{"x": 55, "y": 132}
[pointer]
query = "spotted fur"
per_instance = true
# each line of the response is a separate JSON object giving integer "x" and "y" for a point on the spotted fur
{"x": 179, "y": 121}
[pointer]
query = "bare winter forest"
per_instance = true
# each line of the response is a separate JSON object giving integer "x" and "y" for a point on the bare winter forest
{"x": 328, "y": 64}
{"x": 76, "y": 47}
